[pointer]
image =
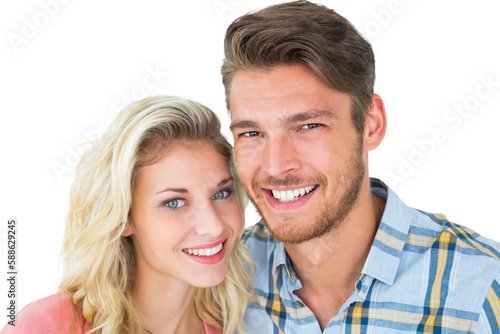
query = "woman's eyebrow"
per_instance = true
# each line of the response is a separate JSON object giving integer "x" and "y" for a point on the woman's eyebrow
{"x": 225, "y": 181}
{"x": 176, "y": 190}
{"x": 184, "y": 190}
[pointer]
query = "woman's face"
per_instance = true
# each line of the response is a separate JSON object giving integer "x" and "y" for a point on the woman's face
{"x": 185, "y": 216}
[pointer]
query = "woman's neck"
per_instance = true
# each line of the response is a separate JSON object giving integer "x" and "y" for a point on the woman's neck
{"x": 166, "y": 306}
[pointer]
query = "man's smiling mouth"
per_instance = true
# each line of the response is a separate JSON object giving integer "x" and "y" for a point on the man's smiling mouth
{"x": 292, "y": 195}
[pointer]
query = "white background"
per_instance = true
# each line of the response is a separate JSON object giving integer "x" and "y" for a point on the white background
{"x": 65, "y": 71}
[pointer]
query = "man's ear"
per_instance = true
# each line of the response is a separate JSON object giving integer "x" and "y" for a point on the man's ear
{"x": 375, "y": 124}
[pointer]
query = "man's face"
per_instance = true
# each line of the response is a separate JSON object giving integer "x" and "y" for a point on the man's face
{"x": 297, "y": 151}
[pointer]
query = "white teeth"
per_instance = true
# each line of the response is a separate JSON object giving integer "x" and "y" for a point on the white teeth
{"x": 283, "y": 195}
{"x": 204, "y": 251}
{"x": 292, "y": 195}
{"x": 276, "y": 194}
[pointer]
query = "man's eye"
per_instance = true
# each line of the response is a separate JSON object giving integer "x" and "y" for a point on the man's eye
{"x": 175, "y": 203}
{"x": 250, "y": 134}
{"x": 310, "y": 126}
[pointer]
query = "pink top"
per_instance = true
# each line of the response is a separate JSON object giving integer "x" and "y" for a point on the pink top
{"x": 54, "y": 314}
{"x": 209, "y": 329}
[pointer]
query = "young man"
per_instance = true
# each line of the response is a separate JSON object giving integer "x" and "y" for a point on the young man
{"x": 337, "y": 251}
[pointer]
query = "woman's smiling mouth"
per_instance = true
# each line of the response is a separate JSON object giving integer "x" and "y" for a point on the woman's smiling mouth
{"x": 208, "y": 251}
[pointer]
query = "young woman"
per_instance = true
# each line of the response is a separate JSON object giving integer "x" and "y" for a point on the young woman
{"x": 152, "y": 235}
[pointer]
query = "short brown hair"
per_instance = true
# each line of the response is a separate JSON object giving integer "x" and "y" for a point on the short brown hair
{"x": 302, "y": 32}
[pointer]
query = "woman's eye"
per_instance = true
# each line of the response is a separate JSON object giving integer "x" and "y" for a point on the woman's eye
{"x": 310, "y": 126}
{"x": 222, "y": 194}
{"x": 175, "y": 203}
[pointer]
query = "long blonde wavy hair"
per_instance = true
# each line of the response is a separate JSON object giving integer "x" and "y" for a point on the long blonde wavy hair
{"x": 99, "y": 263}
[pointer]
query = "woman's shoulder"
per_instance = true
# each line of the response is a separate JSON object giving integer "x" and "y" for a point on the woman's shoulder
{"x": 52, "y": 314}
{"x": 209, "y": 329}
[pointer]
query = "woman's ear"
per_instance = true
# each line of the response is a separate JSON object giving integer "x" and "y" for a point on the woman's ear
{"x": 376, "y": 124}
{"x": 127, "y": 230}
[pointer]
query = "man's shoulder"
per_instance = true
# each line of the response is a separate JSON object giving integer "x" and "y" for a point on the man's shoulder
{"x": 443, "y": 261}
{"x": 465, "y": 240}
{"x": 456, "y": 256}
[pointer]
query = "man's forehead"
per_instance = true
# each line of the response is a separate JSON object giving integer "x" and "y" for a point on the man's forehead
{"x": 279, "y": 75}
{"x": 282, "y": 95}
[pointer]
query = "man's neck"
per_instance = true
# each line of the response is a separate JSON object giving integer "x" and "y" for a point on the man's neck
{"x": 329, "y": 266}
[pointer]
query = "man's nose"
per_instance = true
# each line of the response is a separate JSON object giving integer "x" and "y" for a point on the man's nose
{"x": 279, "y": 157}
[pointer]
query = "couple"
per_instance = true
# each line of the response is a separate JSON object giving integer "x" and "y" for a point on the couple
{"x": 153, "y": 235}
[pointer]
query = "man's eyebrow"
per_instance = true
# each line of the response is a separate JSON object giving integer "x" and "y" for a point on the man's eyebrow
{"x": 243, "y": 124}
{"x": 309, "y": 115}
{"x": 295, "y": 118}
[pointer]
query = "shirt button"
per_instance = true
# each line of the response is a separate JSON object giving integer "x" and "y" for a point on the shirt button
{"x": 299, "y": 303}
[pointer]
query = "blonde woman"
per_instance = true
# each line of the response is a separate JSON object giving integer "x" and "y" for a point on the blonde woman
{"x": 152, "y": 236}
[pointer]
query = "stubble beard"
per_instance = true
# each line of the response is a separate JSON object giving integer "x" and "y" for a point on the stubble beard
{"x": 328, "y": 218}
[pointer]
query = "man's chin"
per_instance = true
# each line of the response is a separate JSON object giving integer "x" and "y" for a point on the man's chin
{"x": 285, "y": 227}
{"x": 291, "y": 233}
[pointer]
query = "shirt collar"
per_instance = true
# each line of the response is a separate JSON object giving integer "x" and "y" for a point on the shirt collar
{"x": 384, "y": 257}
{"x": 280, "y": 256}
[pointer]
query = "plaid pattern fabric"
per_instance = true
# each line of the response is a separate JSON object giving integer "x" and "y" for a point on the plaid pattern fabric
{"x": 424, "y": 274}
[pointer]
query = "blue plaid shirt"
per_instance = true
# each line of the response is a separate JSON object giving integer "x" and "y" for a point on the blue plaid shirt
{"x": 423, "y": 274}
